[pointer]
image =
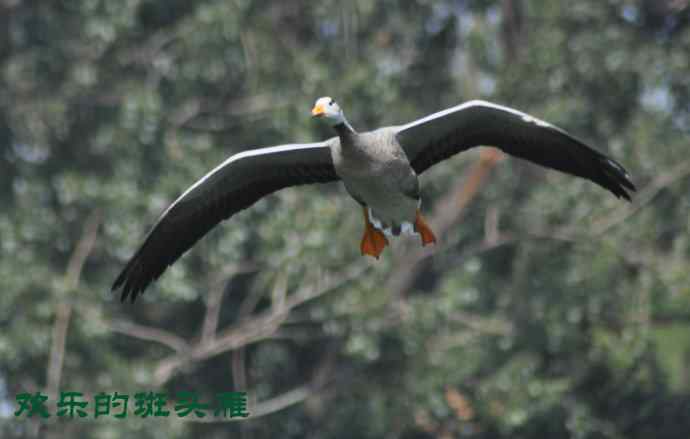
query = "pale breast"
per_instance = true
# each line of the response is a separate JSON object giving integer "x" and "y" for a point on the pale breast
{"x": 376, "y": 172}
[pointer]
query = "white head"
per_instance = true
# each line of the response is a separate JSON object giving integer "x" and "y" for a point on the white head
{"x": 327, "y": 108}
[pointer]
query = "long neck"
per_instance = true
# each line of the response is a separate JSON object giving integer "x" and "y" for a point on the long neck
{"x": 344, "y": 130}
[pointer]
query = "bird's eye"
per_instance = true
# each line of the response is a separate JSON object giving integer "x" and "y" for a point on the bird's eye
{"x": 332, "y": 102}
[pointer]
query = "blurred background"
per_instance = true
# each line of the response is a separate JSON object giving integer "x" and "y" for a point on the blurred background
{"x": 548, "y": 309}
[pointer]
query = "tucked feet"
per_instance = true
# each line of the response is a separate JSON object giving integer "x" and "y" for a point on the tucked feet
{"x": 373, "y": 241}
{"x": 424, "y": 230}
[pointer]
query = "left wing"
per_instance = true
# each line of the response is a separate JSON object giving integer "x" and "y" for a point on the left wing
{"x": 437, "y": 137}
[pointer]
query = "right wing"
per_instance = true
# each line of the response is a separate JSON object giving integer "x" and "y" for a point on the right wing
{"x": 234, "y": 185}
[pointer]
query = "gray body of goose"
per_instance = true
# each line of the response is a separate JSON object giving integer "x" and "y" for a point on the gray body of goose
{"x": 378, "y": 168}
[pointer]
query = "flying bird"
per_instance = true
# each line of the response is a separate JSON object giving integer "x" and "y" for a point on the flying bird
{"x": 379, "y": 169}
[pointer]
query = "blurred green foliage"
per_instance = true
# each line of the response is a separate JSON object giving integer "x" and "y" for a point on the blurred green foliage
{"x": 572, "y": 321}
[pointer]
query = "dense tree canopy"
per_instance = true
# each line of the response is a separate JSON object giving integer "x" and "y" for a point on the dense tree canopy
{"x": 548, "y": 309}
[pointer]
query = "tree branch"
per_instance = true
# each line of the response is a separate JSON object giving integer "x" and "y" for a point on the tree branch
{"x": 63, "y": 310}
{"x": 644, "y": 197}
{"x": 321, "y": 377}
{"x": 149, "y": 333}
{"x": 446, "y": 215}
{"x": 215, "y": 297}
{"x": 257, "y": 328}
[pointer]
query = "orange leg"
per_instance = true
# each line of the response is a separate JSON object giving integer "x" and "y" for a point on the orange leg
{"x": 424, "y": 230}
{"x": 373, "y": 241}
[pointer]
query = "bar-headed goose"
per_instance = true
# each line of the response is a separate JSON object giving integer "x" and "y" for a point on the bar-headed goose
{"x": 379, "y": 169}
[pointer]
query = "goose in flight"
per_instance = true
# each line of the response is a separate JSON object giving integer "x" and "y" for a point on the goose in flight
{"x": 378, "y": 168}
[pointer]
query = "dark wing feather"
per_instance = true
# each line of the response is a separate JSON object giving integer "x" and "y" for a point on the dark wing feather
{"x": 434, "y": 138}
{"x": 232, "y": 186}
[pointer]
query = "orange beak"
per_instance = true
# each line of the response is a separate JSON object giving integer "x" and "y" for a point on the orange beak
{"x": 317, "y": 111}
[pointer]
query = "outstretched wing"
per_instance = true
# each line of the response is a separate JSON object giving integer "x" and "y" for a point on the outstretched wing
{"x": 436, "y": 137}
{"x": 234, "y": 185}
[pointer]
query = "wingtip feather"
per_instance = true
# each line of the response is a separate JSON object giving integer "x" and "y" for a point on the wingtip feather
{"x": 617, "y": 179}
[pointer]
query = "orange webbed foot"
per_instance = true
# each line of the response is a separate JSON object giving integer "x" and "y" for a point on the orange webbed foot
{"x": 380, "y": 242}
{"x": 373, "y": 241}
{"x": 424, "y": 230}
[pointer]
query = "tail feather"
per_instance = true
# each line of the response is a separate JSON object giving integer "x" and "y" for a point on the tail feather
{"x": 403, "y": 228}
